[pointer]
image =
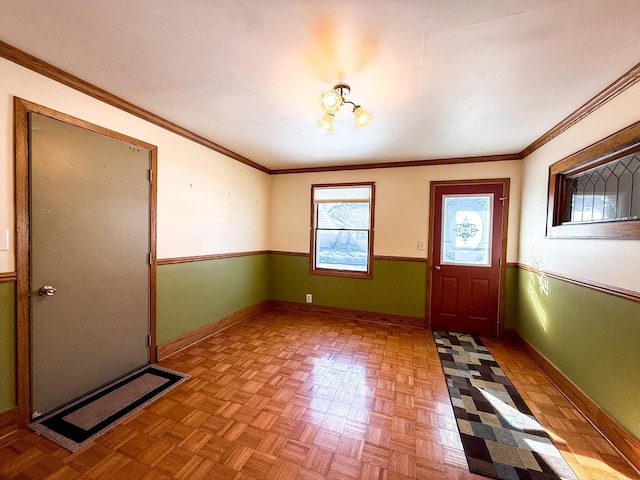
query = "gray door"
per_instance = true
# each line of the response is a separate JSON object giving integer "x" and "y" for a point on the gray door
{"x": 90, "y": 217}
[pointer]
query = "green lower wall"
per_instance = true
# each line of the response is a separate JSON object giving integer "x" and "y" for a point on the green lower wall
{"x": 397, "y": 287}
{"x": 592, "y": 337}
{"x": 7, "y": 346}
{"x": 511, "y": 298}
{"x": 190, "y": 295}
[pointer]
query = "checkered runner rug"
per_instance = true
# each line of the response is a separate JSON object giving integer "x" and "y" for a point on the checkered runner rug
{"x": 500, "y": 435}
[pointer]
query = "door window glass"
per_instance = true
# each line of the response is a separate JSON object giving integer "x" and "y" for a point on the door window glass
{"x": 466, "y": 229}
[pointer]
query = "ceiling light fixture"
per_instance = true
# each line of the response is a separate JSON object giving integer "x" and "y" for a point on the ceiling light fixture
{"x": 332, "y": 100}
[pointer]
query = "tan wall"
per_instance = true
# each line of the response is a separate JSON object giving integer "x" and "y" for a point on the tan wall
{"x": 402, "y": 204}
{"x": 612, "y": 262}
{"x": 207, "y": 203}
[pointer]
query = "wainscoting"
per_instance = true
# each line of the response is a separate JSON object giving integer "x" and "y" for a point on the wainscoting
{"x": 610, "y": 428}
{"x": 195, "y": 291}
{"x": 344, "y": 314}
{"x": 7, "y": 342}
{"x": 581, "y": 335}
{"x": 180, "y": 343}
{"x": 589, "y": 335}
{"x": 398, "y": 286}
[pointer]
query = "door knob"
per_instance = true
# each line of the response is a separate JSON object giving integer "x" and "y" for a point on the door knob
{"x": 46, "y": 291}
{"x": 437, "y": 267}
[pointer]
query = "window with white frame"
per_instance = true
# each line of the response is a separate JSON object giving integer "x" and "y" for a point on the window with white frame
{"x": 342, "y": 229}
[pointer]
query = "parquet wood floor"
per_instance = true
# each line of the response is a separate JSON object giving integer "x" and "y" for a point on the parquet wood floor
{"x": 297, "y": 396}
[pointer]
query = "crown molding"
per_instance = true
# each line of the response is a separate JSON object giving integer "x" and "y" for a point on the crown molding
{"x": 408, "y": 163}
{"x": 32, "y": 63}
{"x": 627, "y": 80}
{"x": 27, "y": 60}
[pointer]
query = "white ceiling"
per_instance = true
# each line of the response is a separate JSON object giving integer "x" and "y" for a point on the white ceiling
{"x": 443, "y": 78}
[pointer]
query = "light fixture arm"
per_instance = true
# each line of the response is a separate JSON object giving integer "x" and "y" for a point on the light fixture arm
{"x": 344, "y": 90}
{"x": 333, "y": 99}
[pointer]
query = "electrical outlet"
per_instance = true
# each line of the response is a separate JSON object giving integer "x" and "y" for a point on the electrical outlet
{"x": 420, "y": 245}
{"x": 309, "y": 298}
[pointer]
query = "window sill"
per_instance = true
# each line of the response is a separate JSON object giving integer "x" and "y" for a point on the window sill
{"x": 607, "y": 230}
{"x": 342, "y": 273}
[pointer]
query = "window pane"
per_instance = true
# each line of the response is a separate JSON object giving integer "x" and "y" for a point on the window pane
{"x": 343, "y": 215}
{"x": 605, "y": 193}
{"x": 342, "y": 222}
{"x": 342, "y": 249}
{"x": 342, "y": 194}
{"x": 466, "y": 229}
{"x": 595, "y": 193}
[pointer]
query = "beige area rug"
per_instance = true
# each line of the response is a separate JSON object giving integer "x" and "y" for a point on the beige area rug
{"x": 80, "y": 422}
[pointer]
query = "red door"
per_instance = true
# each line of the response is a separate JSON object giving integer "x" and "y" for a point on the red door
{"x": 466, "y": 256}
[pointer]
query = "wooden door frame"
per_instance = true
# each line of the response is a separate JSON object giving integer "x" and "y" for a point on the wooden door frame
{"x": 22, "y": 108}
{"x": 503, "y": 261}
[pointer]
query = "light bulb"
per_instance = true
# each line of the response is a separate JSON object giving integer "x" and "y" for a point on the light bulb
{"x": 362, "y": 116}
{"x": 326, "y": 122}
{"x": 331, "y": 101}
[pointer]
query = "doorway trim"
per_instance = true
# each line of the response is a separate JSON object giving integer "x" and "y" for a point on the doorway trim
{"x": 503, "y": 261}
{"x": 22, "y": 108}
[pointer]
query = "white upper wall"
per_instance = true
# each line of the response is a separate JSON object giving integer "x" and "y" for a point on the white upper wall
{"x": 401, "y": 204}
{"x": 611, "y": 262}
{"x": 207, "y": 202}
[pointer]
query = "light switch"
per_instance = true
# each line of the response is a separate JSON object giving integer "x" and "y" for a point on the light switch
{"x": 4, "y": 239}
{"x": 420, "y": 245}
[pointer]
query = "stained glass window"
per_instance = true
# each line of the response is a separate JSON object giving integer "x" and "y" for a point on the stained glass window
{"x": 595, "y": 193}
{"x": 466, "y": 229}
{"x": 608, "y": 192}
